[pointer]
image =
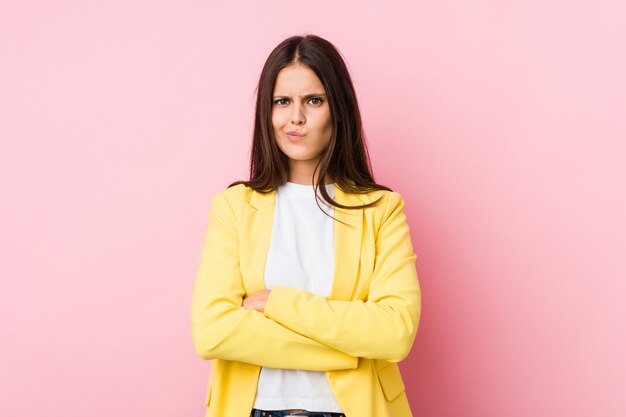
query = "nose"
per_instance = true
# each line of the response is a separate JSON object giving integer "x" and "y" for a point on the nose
{"x": 297, "y": 116}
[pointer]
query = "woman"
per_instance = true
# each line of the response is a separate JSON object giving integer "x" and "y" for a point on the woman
{"x": 304, "y": 309}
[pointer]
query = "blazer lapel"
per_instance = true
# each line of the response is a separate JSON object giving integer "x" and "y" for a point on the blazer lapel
{"x": 348, "y": 238}
{"x": 258, "y": 221}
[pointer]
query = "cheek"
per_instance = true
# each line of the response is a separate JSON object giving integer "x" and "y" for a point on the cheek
{"x": 277, "y": 120}
{"x": 328, "y": 127}
{"x": 323, "y": 123}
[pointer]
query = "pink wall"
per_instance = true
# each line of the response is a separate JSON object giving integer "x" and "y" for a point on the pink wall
{"x": 502, "y": 123}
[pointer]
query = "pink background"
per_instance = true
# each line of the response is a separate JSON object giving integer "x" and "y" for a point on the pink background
{"x": 502, "y": 123}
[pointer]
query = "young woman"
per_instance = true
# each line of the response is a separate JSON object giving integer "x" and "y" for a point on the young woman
{"x": 306, "y": 295}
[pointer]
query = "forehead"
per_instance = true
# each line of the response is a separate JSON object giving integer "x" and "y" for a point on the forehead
{"x": 297, "y": 78}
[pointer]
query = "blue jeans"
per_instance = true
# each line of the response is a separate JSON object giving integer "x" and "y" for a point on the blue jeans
{"x": 284, "y": 413}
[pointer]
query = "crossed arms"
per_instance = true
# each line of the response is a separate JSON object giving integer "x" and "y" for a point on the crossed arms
{"x": 300, "y": 330}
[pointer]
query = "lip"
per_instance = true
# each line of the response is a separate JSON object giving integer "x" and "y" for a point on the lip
{"x": 294, "y": 136}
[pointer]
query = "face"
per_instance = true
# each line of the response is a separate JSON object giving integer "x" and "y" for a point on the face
{"x": 299, "y": 104}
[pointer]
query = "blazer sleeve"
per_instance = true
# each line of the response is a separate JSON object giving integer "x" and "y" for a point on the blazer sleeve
{"x": 222, "y": 329}
{"x": 382, "y": 327}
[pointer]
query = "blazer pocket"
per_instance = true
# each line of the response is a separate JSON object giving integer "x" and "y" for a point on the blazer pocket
{"x": 391, "y": 381}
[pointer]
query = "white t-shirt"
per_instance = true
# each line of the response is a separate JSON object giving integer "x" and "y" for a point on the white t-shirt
{"x": 301, "y": 255}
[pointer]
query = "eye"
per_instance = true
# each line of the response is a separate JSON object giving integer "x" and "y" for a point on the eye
{"x": 319, "y": 100}
{"x": 279, "y": 101}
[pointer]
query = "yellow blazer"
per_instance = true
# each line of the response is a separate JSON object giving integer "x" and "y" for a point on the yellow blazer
{"x": 356, "y": 335}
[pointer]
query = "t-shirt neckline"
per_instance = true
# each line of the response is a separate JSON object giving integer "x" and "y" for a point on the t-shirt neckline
{"x": 305, "y": 189}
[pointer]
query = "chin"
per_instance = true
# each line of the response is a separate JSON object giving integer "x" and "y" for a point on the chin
{"x": 299, "y": 156}
{"x": 302, "y": 158}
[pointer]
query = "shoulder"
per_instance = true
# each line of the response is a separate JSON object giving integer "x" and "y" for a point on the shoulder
{"x": 389, "y": 207}
{"x": 389, "y": 200}
{"x": 230, "y": 199}
{"x": 233, "y": 193}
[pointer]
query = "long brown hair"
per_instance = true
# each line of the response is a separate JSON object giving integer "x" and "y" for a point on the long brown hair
{"x": 346, "y": 158}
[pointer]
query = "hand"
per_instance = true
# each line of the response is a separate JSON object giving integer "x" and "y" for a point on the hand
{"x": 257, "y": 300}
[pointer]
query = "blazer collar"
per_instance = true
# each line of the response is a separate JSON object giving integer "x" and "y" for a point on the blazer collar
{"x": 258, "y": 222}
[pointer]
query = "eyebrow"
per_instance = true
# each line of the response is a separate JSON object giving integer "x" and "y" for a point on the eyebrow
{"x": 307, "y": 96}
